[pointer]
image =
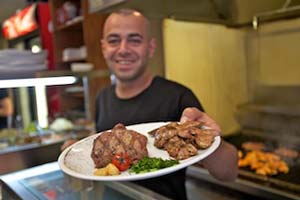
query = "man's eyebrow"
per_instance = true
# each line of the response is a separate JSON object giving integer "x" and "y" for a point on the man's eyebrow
{"x": 135, "y": 35}
{"x": 112, "y": 35}
{"x": 115, "y": 35}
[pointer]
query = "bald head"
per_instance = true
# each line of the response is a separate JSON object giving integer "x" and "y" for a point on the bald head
{"x": 127, "y": 45}
{"x": 114, "y": 19}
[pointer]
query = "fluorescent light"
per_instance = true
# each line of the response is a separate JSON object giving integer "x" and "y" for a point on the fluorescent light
{"x": 41, "y": 104}
{"x": 31, "y": 82}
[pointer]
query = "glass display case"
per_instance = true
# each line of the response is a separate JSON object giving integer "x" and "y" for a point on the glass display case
{"x": 49, "y": 182}
{"x": 37, "y": 126}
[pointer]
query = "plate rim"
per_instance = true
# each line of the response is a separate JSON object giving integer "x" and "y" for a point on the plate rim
{"x": 183, "y": 163}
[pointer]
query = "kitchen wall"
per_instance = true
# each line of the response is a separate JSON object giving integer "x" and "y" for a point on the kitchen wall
{"x": 211, "y": 60}
{"x": 273, "y": 62}
{"x": 157, "y": 62}
{"x": 228, "y": 67}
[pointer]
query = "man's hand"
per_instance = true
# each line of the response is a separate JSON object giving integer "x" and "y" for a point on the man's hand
{"x": 222, "y": 163}
{"x": 194, "y": 114}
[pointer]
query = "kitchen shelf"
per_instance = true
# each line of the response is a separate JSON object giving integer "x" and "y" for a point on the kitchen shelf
{"x": 81, "y": 31}
{"x": 74, "y": 24}
{"x": 74, "y": 60}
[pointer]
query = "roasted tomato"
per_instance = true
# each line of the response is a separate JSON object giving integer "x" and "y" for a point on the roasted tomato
{"x": 121, "y": 161}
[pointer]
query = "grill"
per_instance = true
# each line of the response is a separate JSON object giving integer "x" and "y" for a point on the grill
{"x": 275, "y": 126}
{"x": 289, "y": 182}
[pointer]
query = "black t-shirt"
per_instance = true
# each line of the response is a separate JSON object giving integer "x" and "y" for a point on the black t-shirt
{"x": 163, "y": 100}
{"x": 3, "y": 120}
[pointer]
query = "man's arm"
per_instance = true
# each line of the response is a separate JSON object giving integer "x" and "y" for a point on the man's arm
{"x": 223, "y": 163}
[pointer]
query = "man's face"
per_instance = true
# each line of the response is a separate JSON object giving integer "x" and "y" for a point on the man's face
{"x": 126, "y": 46}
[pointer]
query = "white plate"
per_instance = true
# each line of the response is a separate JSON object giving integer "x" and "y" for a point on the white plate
{"x": 76, "y": 160}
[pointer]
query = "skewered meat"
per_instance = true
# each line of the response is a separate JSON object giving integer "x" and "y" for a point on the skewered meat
{"x": 118, "y": 140}
{"x": 183, "y": 140}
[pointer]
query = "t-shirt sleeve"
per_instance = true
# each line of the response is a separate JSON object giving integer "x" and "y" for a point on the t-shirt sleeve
{"x": 189, "y": 99}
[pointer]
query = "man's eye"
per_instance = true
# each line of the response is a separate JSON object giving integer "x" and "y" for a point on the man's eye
{"x": 135, "y": 41}
{"x": 113, "y": 41}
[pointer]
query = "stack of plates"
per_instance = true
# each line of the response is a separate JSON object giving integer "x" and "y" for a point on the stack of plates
{"x": 22, "y": 60}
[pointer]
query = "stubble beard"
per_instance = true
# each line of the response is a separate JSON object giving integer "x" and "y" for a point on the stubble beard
{"x": 131, "y": 77}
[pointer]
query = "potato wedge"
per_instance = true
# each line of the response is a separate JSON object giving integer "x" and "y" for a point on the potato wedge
{"x": 112, "y": 170}
{"x": 101, "y": 172}
{"x": 108, "y": 170}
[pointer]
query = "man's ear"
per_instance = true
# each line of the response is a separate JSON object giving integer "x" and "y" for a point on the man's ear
{"x": 152, "y": 47}
{"x": 102, "y": 45}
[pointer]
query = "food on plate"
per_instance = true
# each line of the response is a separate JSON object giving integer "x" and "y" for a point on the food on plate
{"x": 286, "y": 152}
{"x": 121, "y": 161}
{"x": 264, "y": 163}
{"x": 148, "y": 164}
{"x": 116, "y": 141}
{"x": 253, "y": 146}
{"x": 182, "y": 140}
{"x": 109, "y": 170}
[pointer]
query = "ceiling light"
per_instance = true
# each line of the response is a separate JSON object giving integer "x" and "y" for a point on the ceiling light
{"x": 32, "y": 82}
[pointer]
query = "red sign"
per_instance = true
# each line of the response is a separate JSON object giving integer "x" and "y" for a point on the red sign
{"x": 20, "y": 24}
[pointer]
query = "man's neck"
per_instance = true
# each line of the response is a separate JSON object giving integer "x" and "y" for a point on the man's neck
{"x": 126, "y": 90}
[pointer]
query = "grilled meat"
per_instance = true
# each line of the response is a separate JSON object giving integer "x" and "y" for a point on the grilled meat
{"x": 286, "y": 152}
{"x": 118, "y": 140}
{"x": 204, "y": 138}
{"x": 253, "y": 146}
{"x": 182, "y": 141}
{"x": 264, "y": 163}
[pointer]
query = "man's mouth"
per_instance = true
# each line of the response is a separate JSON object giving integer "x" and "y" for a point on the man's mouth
{"x": 124, "y": 62}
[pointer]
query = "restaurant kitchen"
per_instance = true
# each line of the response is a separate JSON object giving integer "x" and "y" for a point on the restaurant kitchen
{"x": 239, "y": 57}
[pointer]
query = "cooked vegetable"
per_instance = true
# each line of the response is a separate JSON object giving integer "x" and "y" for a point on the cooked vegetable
{"x": 121, "y": 161}
{"x": 112, "y": 169}
{"x": 108, "y": 170}
{"x": 148, "y": 164}
{"x": 101, "y": 172}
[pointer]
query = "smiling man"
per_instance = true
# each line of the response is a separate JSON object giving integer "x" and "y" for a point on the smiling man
{"x": 127, "y": 47}
{"x": 139, "y": 97}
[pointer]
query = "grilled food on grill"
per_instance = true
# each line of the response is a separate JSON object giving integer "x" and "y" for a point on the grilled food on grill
{"x": 253, "y": 146}
{"x": 118, "y": 140}
{"x": 182, "y": 140}
{"x": 264, "y": 163}
{"x": 286, "y": 152}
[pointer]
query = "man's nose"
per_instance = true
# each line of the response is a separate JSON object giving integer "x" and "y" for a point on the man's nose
{"x": 123, "y": 48}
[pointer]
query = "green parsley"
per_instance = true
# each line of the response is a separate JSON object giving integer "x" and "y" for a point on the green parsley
{"x": 148, "y": 164}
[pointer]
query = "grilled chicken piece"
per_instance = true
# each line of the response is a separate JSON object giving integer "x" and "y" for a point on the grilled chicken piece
{"x": 204, "y": 138}
{"x": 182, "y": 141}
{"x": 163, "y": 135}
